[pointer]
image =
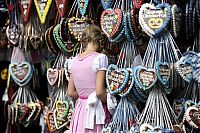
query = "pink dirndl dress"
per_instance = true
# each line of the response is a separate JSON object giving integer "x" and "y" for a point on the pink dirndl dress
{"x": 84, "y": 70}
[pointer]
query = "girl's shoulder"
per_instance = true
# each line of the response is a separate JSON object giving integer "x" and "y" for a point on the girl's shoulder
{"x": 100, "y": 62}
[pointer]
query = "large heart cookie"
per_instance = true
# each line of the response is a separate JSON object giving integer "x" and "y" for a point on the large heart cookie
{"x": 25, "y": 6}
{"x": 62, "y": 108}
{"x": 110, "y": 21}
{"x": 163, "y": 72}
{"x": 50, "y": 122}
{"x": 42, "y": 7}
{"x": 185, "y": 70}
{"x": 154, "y": 19}
{"x": 59, "y": 121}
{"x": 193, "y": 116}
{"x": 62, "y": 7}
{"x": 145, "y": 77}
{"x": 52, "y": 76}
{"x": 116, "y": 78}
{"x": 77, "y": 26}
{"x": 21, "y": 73}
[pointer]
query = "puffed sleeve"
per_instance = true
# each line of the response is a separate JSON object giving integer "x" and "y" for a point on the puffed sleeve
{"x": 68, "y": 64}
{"x": 100, "y": 62}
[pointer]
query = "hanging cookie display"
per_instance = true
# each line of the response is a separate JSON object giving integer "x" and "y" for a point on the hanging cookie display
{"x": 59, "y": 111}
{"x": 158, "y": 118}
{"x": 25, "y": 108}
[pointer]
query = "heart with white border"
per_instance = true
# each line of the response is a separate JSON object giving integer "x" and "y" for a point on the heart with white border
{"x": 20, "y": 72}
{"x": 163, "y": 72}
{"x": 52, "y": 76}
{"x": 116, "y": 78}
{"x": 155, "y": 19}
{"x": 185, "y": 70}
{"x": 193, "y": 116}
{"x": 145, "y": 77}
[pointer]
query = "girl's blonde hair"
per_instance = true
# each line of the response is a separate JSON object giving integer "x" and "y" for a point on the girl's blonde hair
{"x": 92, "y": 34}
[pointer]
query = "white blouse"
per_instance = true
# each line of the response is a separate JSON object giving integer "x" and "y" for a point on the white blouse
{"x": 100, "y": 62}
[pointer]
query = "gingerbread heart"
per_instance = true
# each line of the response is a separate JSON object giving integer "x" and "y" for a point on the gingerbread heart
{"x": 111, "y": 20}
{"x": 185, "y": 70}
{"x": 59, "y": 121}
{"x": 193, "y": 116}
{"x": 189, "y": 103}
{"x": 129, "y": 85}
{"x": 13, "y": 34}
{"x": 38, "y": 111}
{"x": 178, "y": 107}
{"x": 52, "y": 76}
{"x": 35, "y": 41}
{"x": 163, "y": 72}
{"x": 62, "y": 108}
{"x": 192, "y": 57}
{"x": 155, "y": 19}
{"x": 116, "y": 78}
{"x": 50, "y": 122}
{"x": 42, "y": 7}
{"x": 106, "y": 4}
{"x": 30, "y": 115}
{"x": 62, "y": 7}
{"x": 23, "y": 113}
{"x": 77, "y": 26}
{"x": 145, "y": 78}
{"x": 82, "y": 6}
{"x": 32, "y": 108}
{"x": 21, "y": 72}
{"x": 25, "y": 7}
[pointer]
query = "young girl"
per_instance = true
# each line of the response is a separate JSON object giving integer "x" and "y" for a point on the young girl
{"x": 87, "y": 77}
